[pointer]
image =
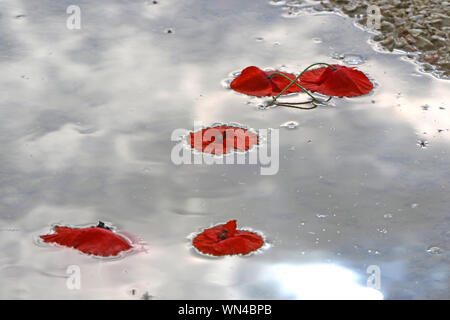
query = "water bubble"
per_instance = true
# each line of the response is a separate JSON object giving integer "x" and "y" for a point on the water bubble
{"x": 317, "y": 40}
{"x": 373, "y": 252}
{"x": 388, "y": 216}
{"x": 414, "y": 205}
{"x": 353, "y": 59}
{"x": 337, "y": 56}
{"x": 382, "y": 230}
{"x": 435, "y": 250}
{"x": 289, "y": 125}
{"x": 321, "y": 216}
{"x": 147, "y": 170}
{"x": 259, "y": 39}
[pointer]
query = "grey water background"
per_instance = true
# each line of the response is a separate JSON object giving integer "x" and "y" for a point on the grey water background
{"x": 86, "y": 118}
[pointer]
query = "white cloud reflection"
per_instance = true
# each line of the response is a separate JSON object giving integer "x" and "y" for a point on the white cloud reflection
{"x": 321, "y": 281}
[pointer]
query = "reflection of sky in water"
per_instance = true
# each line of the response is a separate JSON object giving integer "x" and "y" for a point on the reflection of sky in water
{"x": 321, "y": 281}
{"x": 85, "y": 135}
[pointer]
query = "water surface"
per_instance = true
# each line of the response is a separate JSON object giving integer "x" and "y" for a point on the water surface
{"x": 87, "y": 117}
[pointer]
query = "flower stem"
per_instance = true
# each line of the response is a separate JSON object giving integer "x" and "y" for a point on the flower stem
{"x": 295, "y": 81}
{"x": 287, "y": 105}
{"x": 292, "y": 82}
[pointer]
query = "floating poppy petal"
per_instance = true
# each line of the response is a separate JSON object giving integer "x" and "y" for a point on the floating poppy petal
{"x": 256, "y": 82}
{"x": 222, "y": 139}
{"x": 225, "y": 239}
{"x": 252, "y": 81}
{"x": 280, "y": 82}
{"x": 98, "y": 241}
{"x": 341, "y": 82}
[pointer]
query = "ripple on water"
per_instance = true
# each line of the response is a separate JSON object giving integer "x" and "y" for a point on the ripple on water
{"x": 435, "y": 250}
{"x": 289, "y": 125}
{"x": 353, "y": 59}
{"x": 277, "y": 2}
{"x": 260, "y": 103}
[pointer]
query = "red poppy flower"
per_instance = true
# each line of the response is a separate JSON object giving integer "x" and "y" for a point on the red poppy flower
{"x": 225, "y": 239}
{"x": 222, "y": 139}
{"x": 341, "y": 82}
{"x": 98, "y": 241}
{"x": 256, "y": 82}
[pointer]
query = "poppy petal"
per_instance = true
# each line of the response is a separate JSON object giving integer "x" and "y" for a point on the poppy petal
{"x": 92, "y": 240}
{"x": 341, "y": 82}
{"x": 225, "y": 239}
{"x": 314, "y": 77}
{"x": 222, "y": 139}
{"x": 252, "y": 81}
{"x": 230, "y": 227}
{"x": 280, "y": 82}
{"x": 255, "y": 82}
{"x": 243, "y": 242}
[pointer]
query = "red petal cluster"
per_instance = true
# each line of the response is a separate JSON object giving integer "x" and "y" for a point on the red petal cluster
{"x": 225, "y": 239}
{"x": 255, "y": 82}
{"x": 341, "y": 82}
{"x": 97, "y": 241}
{"x": 222, "y": 139}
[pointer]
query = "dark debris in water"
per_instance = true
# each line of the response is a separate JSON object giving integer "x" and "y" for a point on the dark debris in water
{"x": 422, "y": 143}
{"x": 146, "y": 296}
